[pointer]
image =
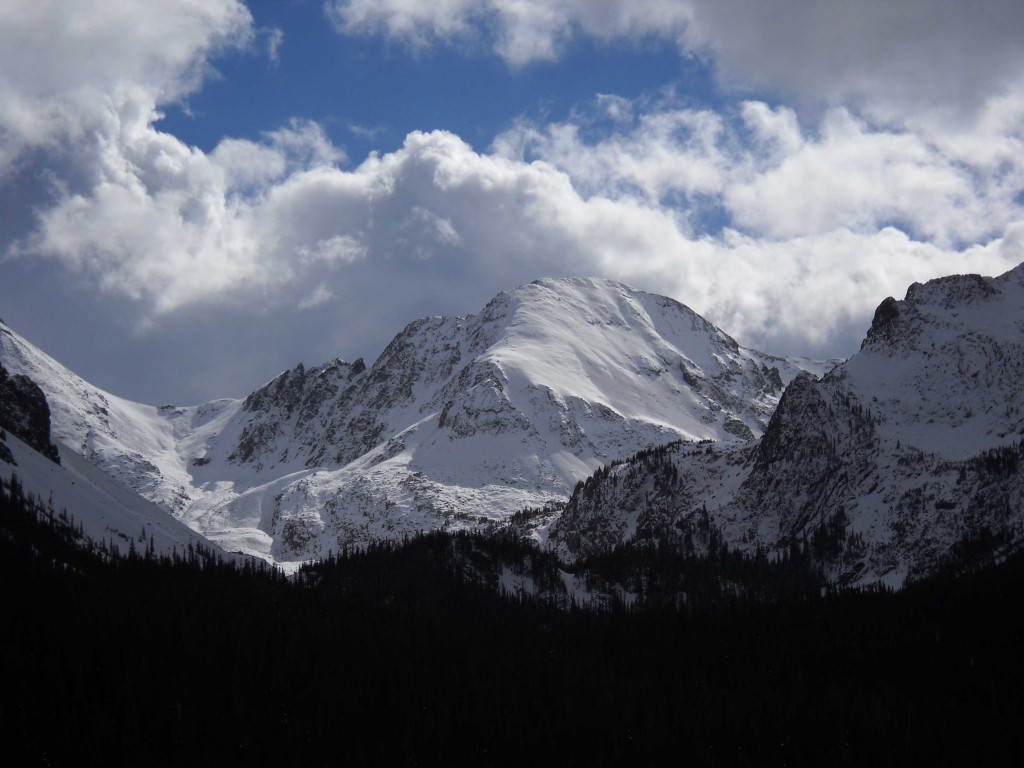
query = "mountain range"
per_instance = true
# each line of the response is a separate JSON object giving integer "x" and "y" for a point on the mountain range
{"x": 883, "y": 464}
{"x": 458, "y": 422}
{"x": 886, "y": 465}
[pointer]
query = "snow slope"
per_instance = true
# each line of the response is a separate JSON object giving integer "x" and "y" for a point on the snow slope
{"x": 147, "y": 448}
{"x": 107, "y": 510}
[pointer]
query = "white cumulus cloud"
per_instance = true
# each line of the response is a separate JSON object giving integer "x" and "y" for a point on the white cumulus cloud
{"x": 771, "y": 176}
{"x": 68, "y": 69}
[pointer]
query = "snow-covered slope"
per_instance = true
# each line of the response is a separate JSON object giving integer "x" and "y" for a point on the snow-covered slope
{"x": 886, "y": 464}
{"x": 147, "y": 448}
{"x": 945, "y": 366}
{"x": 460, "y": 420}
{"x": 107, "y": 511}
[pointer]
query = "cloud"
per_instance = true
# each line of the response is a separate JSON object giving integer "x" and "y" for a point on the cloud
{"x": 437, "y": 224}
{"x": 170, "y": 225}
{"x": 784, "y": 230}
{"x": 80, "y": 87}
{"x": 788, "y": 235}
{"x": 893, "y": 57}
{"x": 853, "y": 175}
{"x": 659, "y": 153}
{"x": 320, "y": 295}
{"x": 128, "y": 206}
{"x": 274, "y": 40}
{"x": 520, "y": 31}
{"x": 815, "y": 294}
{"x": 767, "y": 175}
{"x": 67, "y": 70}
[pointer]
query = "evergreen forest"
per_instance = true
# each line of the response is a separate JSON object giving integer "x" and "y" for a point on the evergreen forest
{"x": 411, "y": 654}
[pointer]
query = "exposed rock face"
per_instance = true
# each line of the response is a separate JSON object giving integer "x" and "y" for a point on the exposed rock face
{"x": 295, "y": 415}
{"x": 883, "y": 323}
{"x": 896, "y": 457}
{"x": 25, "y": 413}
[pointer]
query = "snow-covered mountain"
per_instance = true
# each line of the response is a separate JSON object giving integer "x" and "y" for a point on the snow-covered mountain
{"x": 459, "y": 421}
{"x": 147, "y": 448}
{"x": 885, "y": 466}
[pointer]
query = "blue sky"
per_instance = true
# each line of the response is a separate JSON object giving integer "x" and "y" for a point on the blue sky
{"x": 368, "y": 93}
{"x": 195, "y": 196}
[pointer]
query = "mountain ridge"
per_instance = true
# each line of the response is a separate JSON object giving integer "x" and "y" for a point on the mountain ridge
{"x": 899, "y": 454}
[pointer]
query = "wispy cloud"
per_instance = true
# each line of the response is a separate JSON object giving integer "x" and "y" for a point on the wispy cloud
{"x": 520, "y": 31}
{"x": 320, "y": 295}
{"x": 274, "y": 39}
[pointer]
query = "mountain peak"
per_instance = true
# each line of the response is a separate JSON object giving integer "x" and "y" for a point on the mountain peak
{"x": 578, "y": 283}
{"x": 882, "y": 469}
{"x": 952, "y": 291}
{"x": 882, "y": 324}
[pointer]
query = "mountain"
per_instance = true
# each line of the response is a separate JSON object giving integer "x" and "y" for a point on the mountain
{"x": 460, "y": 421}
{"x": 900, "y": 459}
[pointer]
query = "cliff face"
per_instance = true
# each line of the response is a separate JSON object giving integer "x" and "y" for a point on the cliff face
{"x": 24, "y": 413}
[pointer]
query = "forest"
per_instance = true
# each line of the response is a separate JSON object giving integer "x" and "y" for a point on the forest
{"x": 408, "y": 654}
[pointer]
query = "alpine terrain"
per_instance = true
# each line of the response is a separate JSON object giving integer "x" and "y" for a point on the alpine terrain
{"x": 459, "y": 423}
{"x": 739, "y": 547}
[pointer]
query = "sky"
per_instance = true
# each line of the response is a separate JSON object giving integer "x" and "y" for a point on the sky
{"x": 198, "y": 194}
